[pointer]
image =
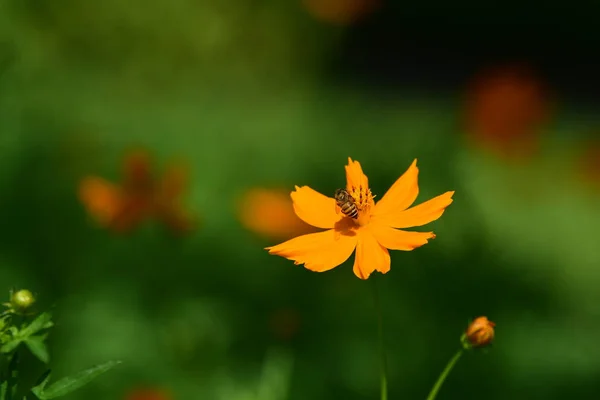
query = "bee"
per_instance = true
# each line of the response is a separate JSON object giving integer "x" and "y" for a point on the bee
{"x": 346, "y": 203}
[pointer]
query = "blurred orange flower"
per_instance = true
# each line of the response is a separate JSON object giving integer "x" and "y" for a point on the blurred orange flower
{"x": 147, "y": 394}
{"x": 270, "y": 213}
{"x": 341, "y": 12}
{"x": 372, "y": 233}
{"x": 139, "y": 197}
{"x": 505, "y": 108}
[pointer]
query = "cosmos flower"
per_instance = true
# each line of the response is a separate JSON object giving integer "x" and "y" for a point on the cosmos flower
{"x": 377, "y": 228}
{"x": 140, "y": 196}
{"x": 505, "y": 108}
{"x": 270, "y": 213}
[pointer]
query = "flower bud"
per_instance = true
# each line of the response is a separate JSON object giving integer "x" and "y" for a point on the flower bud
{"x": 21, "y": 300}
{"x": 480, "y": 333}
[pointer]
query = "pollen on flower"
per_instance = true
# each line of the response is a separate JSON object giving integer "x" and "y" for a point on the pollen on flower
{"x": 363, "y": 199}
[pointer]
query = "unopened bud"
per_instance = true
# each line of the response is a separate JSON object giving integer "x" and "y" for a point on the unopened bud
{"x": 480, "y": 333}
{"x": 22, "y": 300}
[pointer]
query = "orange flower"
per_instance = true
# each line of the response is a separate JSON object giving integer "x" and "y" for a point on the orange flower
{"x": 505, "y": 109}
{"x": 147, "y": 394}
{"x": 141, "y": 196}
{"x": 270, "y": 213}
{"x": 376, "y": 229}
{"x": 341, "y": 12}
{"x": 480, "y": 333}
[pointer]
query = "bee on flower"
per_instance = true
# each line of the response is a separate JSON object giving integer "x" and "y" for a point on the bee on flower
{"x": 375, "y": 228}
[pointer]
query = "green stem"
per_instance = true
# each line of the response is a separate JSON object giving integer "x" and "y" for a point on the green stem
{"x": 383, "y": 360}
{"x": 444, "y": 375}
{"x": 13, "y": 375}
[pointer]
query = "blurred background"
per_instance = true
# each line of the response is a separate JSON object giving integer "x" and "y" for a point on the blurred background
{"x": 147, "y": 154}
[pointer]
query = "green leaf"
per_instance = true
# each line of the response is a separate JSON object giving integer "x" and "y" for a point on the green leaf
{"x": 71, "y": 383}
{"x": 38, "y": 348}
{"x": 41, "y": 383}
{"x": 3, "y": 390}
{"x": 10, "y": 346}
{"x": 43, "y": 321}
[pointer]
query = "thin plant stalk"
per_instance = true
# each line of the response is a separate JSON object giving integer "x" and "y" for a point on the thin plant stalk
{"x": 444, "y": 374}
{"x": 382, "y": 353}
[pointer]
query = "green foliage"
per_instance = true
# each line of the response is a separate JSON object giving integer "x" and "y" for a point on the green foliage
{"x": 27, "y": 334}
{"x": 33, "y": 334}
{"x": 67, "y": 385}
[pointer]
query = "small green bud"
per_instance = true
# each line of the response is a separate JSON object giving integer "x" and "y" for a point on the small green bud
{"x": 22, "y": 300}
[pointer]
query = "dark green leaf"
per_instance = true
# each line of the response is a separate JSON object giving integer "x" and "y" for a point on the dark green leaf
{"x": 37, "y": 346}
{"x": 71, "y": 383}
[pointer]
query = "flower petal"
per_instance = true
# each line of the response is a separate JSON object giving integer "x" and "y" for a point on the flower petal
{"x": 355, "y": 177}
{"x": 395, "y": 239}
{"x": 318, "y": 251}
{"x": 401, "y": 194}
{"x": 315, "y": 208}
{"x": 101, "y": 198}
{"x": 370, "y": 256}
{"x": 419, "y": 215}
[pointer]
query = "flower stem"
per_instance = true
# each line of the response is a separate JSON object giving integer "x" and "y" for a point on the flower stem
{"x": 382, "y": 354}
{"x": 444, "y": 375}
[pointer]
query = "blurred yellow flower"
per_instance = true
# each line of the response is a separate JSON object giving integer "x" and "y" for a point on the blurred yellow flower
{"x": 341, "y": 12}
{"x": 505, "y": 108}
{"x": 372, "y": 233}
{"x": 139, "y": 197}
{"x": 270, "y": 213}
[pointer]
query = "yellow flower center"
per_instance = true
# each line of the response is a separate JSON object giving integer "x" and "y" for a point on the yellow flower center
{"x": 363, "y": 198}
